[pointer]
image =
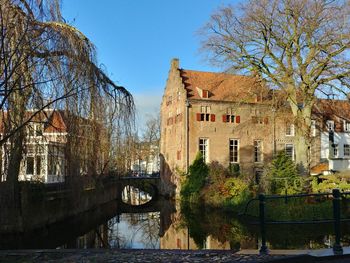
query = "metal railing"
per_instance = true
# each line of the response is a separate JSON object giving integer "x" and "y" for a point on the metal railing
{"x": 336, "y": 196}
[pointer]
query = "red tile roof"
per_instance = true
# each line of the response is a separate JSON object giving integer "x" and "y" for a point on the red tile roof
{"x": 336, "y": 110}
{"x": 223, "y": 86}
{"x": 319, "y": 168}
{"x": 55, "y": 123}
{"x": 53, "y": 120}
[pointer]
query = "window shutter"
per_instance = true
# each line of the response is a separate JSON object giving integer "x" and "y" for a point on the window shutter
{"x": 238, "y": 119}
{"x": 178, "y": 155}
{"x": 266, "y": 120}
{"x": 204, "y": 94}
{"x": 198, "y": 117}
{"x": 212, "y": 117}
{"x": 224, "y": 118}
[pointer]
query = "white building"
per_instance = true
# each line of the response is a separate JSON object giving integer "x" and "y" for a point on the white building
{"x": 44, "y": 151}
{"x": 335, "y": 134}
{"x": 147, "y": 161}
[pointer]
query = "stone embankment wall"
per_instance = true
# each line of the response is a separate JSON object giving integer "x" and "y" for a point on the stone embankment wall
{"x": 37, "y": 205}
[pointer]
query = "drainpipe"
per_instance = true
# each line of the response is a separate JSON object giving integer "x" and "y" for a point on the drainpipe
{"x": 274, "y": 130}
{"x": 273, "y": 123}
{"x": 188, "y": 105}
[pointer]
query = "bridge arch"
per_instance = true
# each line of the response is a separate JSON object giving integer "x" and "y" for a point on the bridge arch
{"x": 150, "y": 185}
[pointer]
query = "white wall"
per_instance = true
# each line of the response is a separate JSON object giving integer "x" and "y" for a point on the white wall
{"x": 340, "y": 138}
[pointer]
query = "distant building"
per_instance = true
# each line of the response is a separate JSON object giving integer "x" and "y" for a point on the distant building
{"x": 231, "y": 119}
{"x": 45, "y": 154}
{"x": 146, "y": 160}
{"x": 334, "y": 117}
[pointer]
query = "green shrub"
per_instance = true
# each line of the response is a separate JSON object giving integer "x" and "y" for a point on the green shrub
{"x": 238, "y": 191}
{"x": 195, "y": 180}
{"x": 217, "y": 173}
{"x": 329, "y": 182}
{"x": 234, "y": 169}
{"x": 282, "y": 176}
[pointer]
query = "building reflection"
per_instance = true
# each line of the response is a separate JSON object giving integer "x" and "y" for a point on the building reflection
{"x": 180, "y": 239}
{"x": 178, "y": 236}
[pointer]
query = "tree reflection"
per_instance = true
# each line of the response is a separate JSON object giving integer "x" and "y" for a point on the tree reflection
{"x": 242, "y": 232}
{"x": 146, "y": 226}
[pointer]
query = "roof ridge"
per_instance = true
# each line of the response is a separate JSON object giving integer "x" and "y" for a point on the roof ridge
{"x": 217, "y": 73}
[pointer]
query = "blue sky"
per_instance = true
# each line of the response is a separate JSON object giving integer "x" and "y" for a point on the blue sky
{"x": 136, "y": 39}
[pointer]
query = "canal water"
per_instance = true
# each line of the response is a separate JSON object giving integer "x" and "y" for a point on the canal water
{"x": 165, "y": 225}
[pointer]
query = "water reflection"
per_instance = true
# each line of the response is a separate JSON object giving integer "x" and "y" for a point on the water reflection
{"x": 197, "y": 227}
{"x": 133, "y": 196}
{"x": 128, "y": 231}
{"x": 167, "y": 225}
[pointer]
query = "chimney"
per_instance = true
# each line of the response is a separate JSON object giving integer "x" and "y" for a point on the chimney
{"x": 174, "y": 63}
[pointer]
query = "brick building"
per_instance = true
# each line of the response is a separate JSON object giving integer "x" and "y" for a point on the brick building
{"x": 229, "y": 118}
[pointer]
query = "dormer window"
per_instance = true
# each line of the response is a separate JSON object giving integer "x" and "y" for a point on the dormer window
{"x": 204, "y": 94}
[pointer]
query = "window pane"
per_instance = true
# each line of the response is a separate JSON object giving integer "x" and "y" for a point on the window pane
{"x": 30, "y": 165}
{"x": 290, "y": 150}
{"x": 38, "y": 165}
{"x": 346, "y": 150}
{"x": 257, "y": 151}
{"x": 38, "y": 130}
{"x": 330, "y": 125}
{"x": 203, "y": 148}
{"x": 335, "y": 150}
{"x": 233, "y": 151}
{"x": 289, "y": 129}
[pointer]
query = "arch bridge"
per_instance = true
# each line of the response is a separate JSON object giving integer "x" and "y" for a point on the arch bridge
{"x": 150, "y": 185}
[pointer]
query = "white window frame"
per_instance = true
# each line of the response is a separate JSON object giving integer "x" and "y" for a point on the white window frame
{"x": 313, "y": 128}
{"x": 335, "y": 150}
{"x": 205, "y": 113}
{"x": 330, "y": 125}
{"x": 234, "y": 150}
{"x": 203, "y": 146}
{"x": 289, "y": 145}
{"x": 258, "y": 151}
{"x": 346, "y": 149}
{"x": 346, "y": 126}
{"x": 290, "y": 130}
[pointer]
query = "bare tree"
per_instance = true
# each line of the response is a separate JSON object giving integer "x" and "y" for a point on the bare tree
{"x": 45, "y": 62}
{"x": 150, "y": 139}
{"x": 301, "y": 47}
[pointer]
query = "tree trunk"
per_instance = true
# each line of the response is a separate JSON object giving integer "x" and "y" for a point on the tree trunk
{"x": 302, "y": 158}
{"x": 302, "y": 115}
